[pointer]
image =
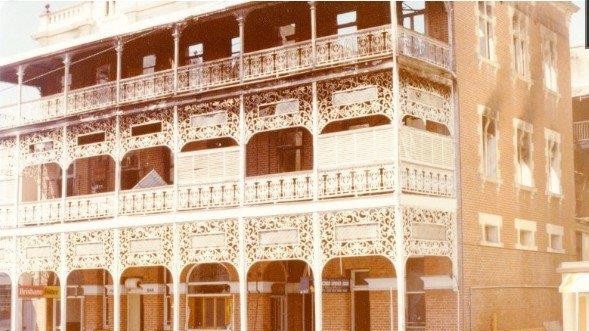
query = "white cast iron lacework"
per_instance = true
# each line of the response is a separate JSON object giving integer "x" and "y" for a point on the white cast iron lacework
{"x": 8, "y": 154}
{"x": 6, "y": 254}
{"x": 90, "y": 250}
{"x": 351, "y": 233}
{"x": 106, "y": 147}
{"x": 209, "y": 241}
{"x": 30, "y": 157}
{"x": 147, "y": 86}
{"x": 279, "y": 238}
{"x": 91, "y": 97}
{"x": 383, "y": 105}
{"x": 190, "y": 132}
{"x": 420, "y": 216}
{"x": 38, "y": 253}
{"x": 256, "y": 121}
{"x": 146, "y": 246}
{"x": 426, "y": 100}
{"x": 163, "y": 138}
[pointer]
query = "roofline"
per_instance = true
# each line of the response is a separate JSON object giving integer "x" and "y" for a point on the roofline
{"x": 216, "y": 7}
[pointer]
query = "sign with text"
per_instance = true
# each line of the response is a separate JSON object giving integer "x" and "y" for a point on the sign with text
{"x": 38, "y": 291}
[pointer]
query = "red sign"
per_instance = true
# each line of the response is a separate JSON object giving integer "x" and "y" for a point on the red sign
{"x": 38, "y": 291}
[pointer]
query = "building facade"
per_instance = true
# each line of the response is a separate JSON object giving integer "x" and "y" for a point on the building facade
{"x": 288, "y": 166}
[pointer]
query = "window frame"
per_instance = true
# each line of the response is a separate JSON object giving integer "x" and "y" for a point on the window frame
{"x": 556, "y": 230}
{"x": 146, "y": 70}
{"x": 485, "y": 112}
{"x": 490, "y": 220}
{"x": 490, "y": 50}
{"x": 528, "y": 226}
{"x": 552, "y": 139}
{"x": 549, "y": 53}
{"x": 527, "y": 129}
{"x": 522, "y": 36}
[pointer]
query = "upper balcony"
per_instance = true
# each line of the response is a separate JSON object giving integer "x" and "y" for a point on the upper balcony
{"x": 581, "y": 133}
{"x": 203, "y": 55}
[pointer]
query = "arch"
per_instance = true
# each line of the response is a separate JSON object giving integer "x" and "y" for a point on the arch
{"x": 138, "y": 163}
{"x": 306, "y": 129}
{"x": 90, "y": 299}
{"x": 280, "y": 295}
{"x": 203, "y": 144}
{"x": 41, "y": 182}
{"x": 366, "y": 284}
{"x": 146, "y": 291}
{"x": 355, "y": 122}
{"x": 96, "y": 175}
{"x": 212, "y": 296}
{"x": 5, "y": 300}
{"x": 279, "y": 151}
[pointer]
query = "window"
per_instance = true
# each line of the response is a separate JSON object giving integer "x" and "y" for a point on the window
{"x": 486, "y": 31}
{"x": 553, "y": 162}
{"x": 489, "y": 144}
{"x": 346, "y": 23}
{"x": 416, "y": 312}
{"x": 235, "y": 46}
{"x": 520, "y": 43}
{"x": 490, "y": 229}
{"x": 287, "y": 34}
{"x": 525, "y": 234}
{"x": 555, "y": 238}
{"x": 549, "y": 59}
{"x": 149, "y": 64}
{"x": 413, "y": 15}
{"x": 524, "y": 152}
{"x": 102, "y": 74}
{"x": 195, "y": 53}
{"x": 290, "y": 145}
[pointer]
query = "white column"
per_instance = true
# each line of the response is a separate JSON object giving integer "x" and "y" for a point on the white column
{"x": 16, "y": 176}
{"x": 400, "y": 271}
{"x": 312, "y": 5}
{"x": 175, "y": 153}
{"x": 116, "y": 281}
{"x": 176, "y": 34}
{"x": 240, "y": 22}
{"x": 64, "y": 168}
{"x": 317, "y": 272}
{"x": 176, "y": 296}
{"x": 21, "y": 76}
{"x": 315, "y": 132}
{"x": 118, "y": 156}
{"x": 119, "y": 50}
{"x": 242, "y": 276}
{"x": 63, "y": 273}
{"x": 15, "y": 317}
{"x": 67, "y": 60}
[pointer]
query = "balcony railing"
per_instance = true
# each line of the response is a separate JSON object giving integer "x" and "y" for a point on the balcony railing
{"x": 6, "y": 215}
{"x": 90, "y": 206}
{"x": 291, "y": 186}
{"x": 354, "y": 181}
{"x": 330, "y": 50}
{"x": 40, "y": 212}
{"x": 424, "y": 48}
{"x": 581, "y": 131}
{"x": 146, "y": 201}
{"x": 8, "y": 116}
{"x": 208, "y": 195}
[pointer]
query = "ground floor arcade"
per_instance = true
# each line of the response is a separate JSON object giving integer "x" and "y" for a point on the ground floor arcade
{"x": 357, "y": 293}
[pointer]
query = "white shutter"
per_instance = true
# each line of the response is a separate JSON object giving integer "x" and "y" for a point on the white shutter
{"x": 7, "y": 192}
{"x": 208, "y": 166}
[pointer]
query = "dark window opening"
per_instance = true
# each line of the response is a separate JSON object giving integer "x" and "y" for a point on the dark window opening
{"x": 91, "y": 138}
{"x": 143, "y": 129}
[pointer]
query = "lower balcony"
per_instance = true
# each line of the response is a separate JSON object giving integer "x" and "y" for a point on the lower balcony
{"x": 40, "y": 212}
{"x": 208, "y": 195}
{"x": 146, "y": 201}
{"x": 355, "y": 181}
{"x": 88, "y": 207}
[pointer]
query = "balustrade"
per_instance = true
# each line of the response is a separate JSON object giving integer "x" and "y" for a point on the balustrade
{"x": 424, "y": 48}
{"x": 8, "y": 115}
{"x": 147, "y": 86}
{"x": 92, "y": 97}
{"x": 293, "y": 186}
{"x": 354, "y": 46}
{"x": 90, "y": 206}
{"x": 42, "y": 109}
{"x": 208, "y": 74}
{"x": 581, "y": 131}
{"x": 277, "y": 61}
{"x": 208, "y": 195}
{"x": 40, "y": 212}
{"x": 6, "y": 215}
{"x": 146, "y": 201}
{"x": 427, "y": 180}
{"x": 353, "y": 181}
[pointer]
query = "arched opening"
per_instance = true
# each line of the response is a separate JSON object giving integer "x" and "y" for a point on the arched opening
{"x": 147, "y": 168}
{"x": 5, "y": 301}
{"x": 146, "y": 299}
{"x": 279, "y": 151}
{"x": 89, "y": 300}
{"x": 359, "y": 293}
{"x": 39, "y": 302}
{"x": 431, "y": 303}
{"x": 91, "y": 175}
{"x": 200, "y": 145}
{"x": 280, "y": 296}
{"x": 425, "y": 125}
{"x": 211, "y": 300}
{"x": 41, "y": 182}
{"x": 356, "y": 123}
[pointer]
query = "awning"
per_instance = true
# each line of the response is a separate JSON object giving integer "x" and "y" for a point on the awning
{"x": 574, "y": 283}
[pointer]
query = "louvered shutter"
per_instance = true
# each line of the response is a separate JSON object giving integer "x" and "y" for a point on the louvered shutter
{"x": 6, "y": 192}
{"x": 208, "y": 166}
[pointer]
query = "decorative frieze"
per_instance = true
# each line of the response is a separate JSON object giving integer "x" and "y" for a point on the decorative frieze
{"x": 132, "y": 138}
{"x": 209, "y": 241}
{"x": 38, "y": 253}
{"x": 90, "y": 250}
{"x": 209, "y": 120}
{"x": 146, "y": 246}
{"x": 429, "y": 232}
{"x": 78, "y": 148}
{"x": 41, "y": 147}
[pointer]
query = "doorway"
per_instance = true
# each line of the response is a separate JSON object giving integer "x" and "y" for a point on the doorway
{"x": 75, "y": 313}
{"x": 278, "y": 311}
{"x": 360, "y": 300}
{"x": 134, "y": 312}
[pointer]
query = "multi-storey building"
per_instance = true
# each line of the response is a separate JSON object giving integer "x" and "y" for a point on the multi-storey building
{"x": 288, "y": 166}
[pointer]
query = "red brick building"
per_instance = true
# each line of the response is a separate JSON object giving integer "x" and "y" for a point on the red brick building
{"x": 289, "y": 166}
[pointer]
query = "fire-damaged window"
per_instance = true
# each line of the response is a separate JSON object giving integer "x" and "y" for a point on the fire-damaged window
{"x": 553, "y": 162}
{"x": 413, "y": 15}
{"x": 486, "y": 30}
{"x": 524, "y": 153}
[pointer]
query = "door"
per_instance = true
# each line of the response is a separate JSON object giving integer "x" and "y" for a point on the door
{"x": 361, "y": 311}
{"x": 74, "y": 314}
{"x": 278, "y": 311}
{"x": 134, "y": 312}
{"x": 28, "y": 315}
